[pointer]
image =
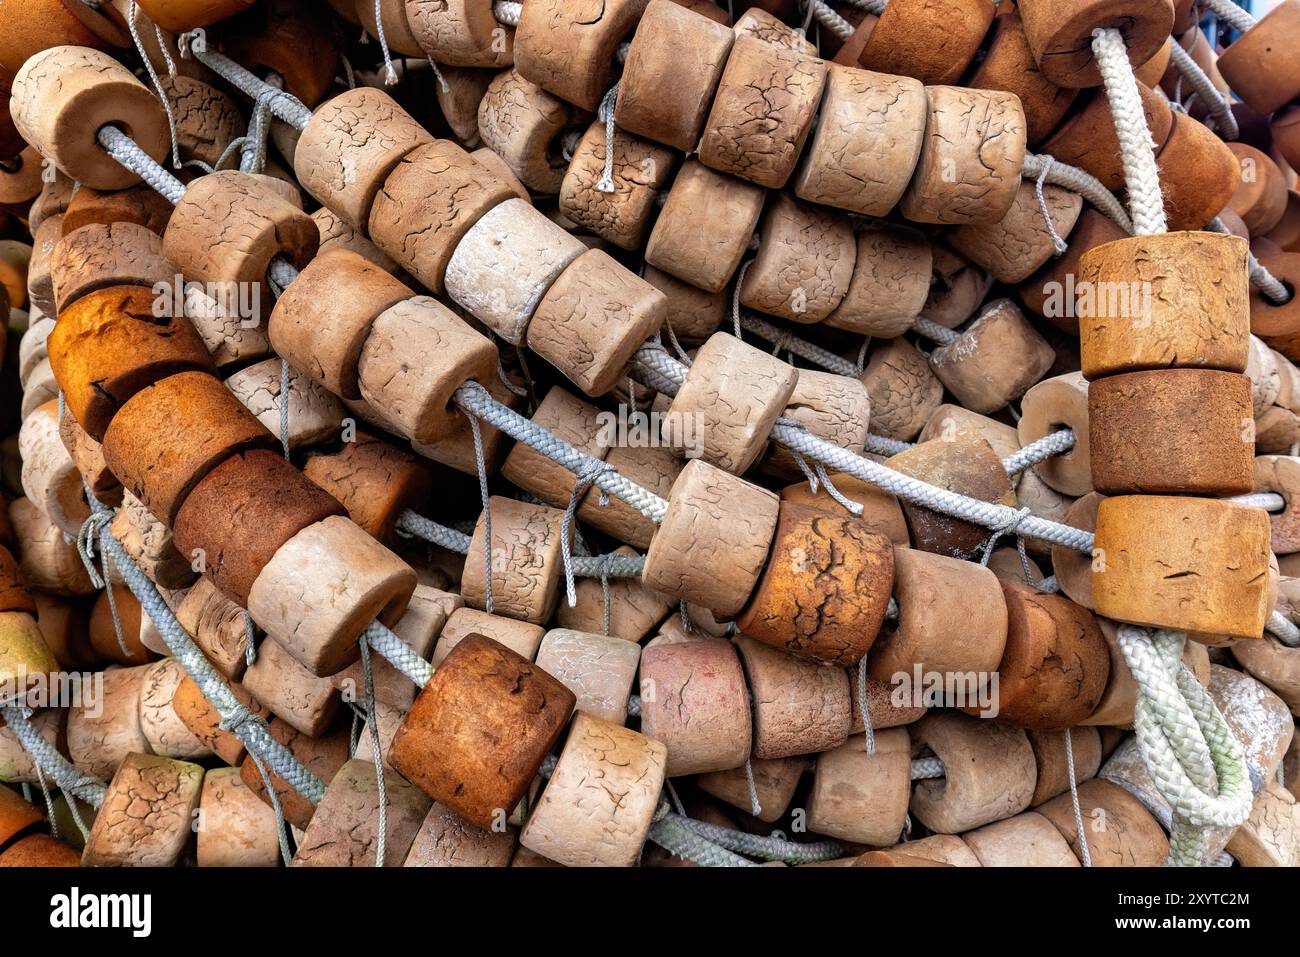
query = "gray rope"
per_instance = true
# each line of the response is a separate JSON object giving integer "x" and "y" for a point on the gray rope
{"x": 368, "y": 678}
{"x": 932, "y": 330}
{"x": 1053, "y": 171}
{"x": 754, "y": 807}
{"x": 1206, "y": 90}
{"x": 584, "y": 481}
{"x": 127, "y": 152}
{"x": 477, "y": 434}
{"x": 47, "y": 757}
{"x": 800, "y": 347}
{"x": 883, "y": 445}
{"x": 868, "y": 729}
{"x": 605, "y": 113}
{"x": 608, "y": 565}
{"x": 768, "y": 848}
{"x": 1058, "y": 244}
{"x": 1055, "y": 443}
{"x": 831, "y": 20}
{"x": 1085, "y": 855}
{"x": 478, "y": 402}
{"x": 390, "y": 74}
{"x": 1260, "y": 277}
{"x": 927, "y": 768}
{"x": 415, "y": 524}
{"x": 398, "y": 653}
{"x": 132, "y": 13}
{"x": 507, "y": 12}
{"x": 1269, "y": 501}
{"x": 669, "y": 832}
{"x": 282, "y": 103}
{"x": 1283, "y": 629}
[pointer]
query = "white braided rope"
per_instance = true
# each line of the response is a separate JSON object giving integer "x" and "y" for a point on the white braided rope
{"x": 1055, "y": 443}
{"x": 927, "y": 768}
{"x": 785, "y": 339}
{"x": 1136, "y": 147}
{"x": 832, "y": 21}
{"x": 127, "y": 152}
{"x": 398, "y": 653}
{"x": 1085, "y": 184}
{"x": 507, "y": 12}
{"x": 1214, "y": 100}
{"x": 1233, "y": 14}
{"x": 932, "y": 330}
{"x": 282, "y": 103}
{"x": 1193, "y": 759}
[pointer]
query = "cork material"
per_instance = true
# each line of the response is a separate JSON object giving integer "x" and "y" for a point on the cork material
{"x": 1260, "y": 198}
{"x": 783, "y": 88}
{"x": 374, "y": 480}
{"x": 714, "y": 539}
{"x": 881, "y": 512}
{"x": 217, "y": 626}
{"x": 937, "y": 850}
{"x": 61, "y": 97}
{"x": 1211, "y": 453}
{"x": 931, "y": 40}
{"x": 447, "y": 840}
{"x": 96, "y": 257}
{"x": 460, "y": 33}
{"x": 181, "y": 15}
{"x": 337, "y": 234}
{"x": 1045, "y": 291}
{"x": 1281, "y": 474}
{"x": 236, "y": 829}
{"x": 289, "y": 691}
{"x": 167, "y": 734}
{"x": 145, "y": 820}
{"x": 1259, "y": 719}
{"x": 597, "y": 669}
{"x": 321, "y": 589}
{"x": 830, "y": 406}
{"x": 111, "y": 344}
{"x": 904, "y": 391}
{"x": 203, "y": 720}
{"x": 522, "y": 123}
{"x": 39, "y": 850}
{"x": 479, "y": 730}
{"x": 397, "y": 28}
{"x": 1055, "y": 663}
{"x": 738, "y": 391}
{"x": 502, "y": 268}
{"x": 1026, "y": 840}
{"x": 1172, "y": 300}
{"x": 824, "y": 589}
{"x": 418, "y": 353}
{"x": 1117, "y": 704}
{"x": 25, "y": 659}
{"x": 457, "y": 449}
{"x": 13, "y": 593}
{"x": 207, "y": 120}
{"x": 804, "y": 263}
{"x": 140, "y": 444}
{"x": 322, "y": 756}
{"x": 49, "y": 476}
{"x": 45, "y": 561}
{"x": 1278, "y": 325}
{"x": 1019, "y": 243}
{"x": 800, "y": 707}
{"x": 952, "y": 617}
{"x": 693, "y": 313}
{"x": 103, "y": 631}
{"x": 1009, "y": 65}
{"x": 964, "y": 463}
{"x": 350, "y": 146}
{"x": 1258, "y": 65}
{"x": 890, "y": 282}
{"x": 592, "y": 320}
{"x": 521, "y": 637}
{"x": 243, "y": 511}
{"x": 291, "y": 39}
{"x": 995, "y": 359}
{"x": 1060, "y": 34}
{"x": 324, "y": 318}
{"x": 88, "y": 456}
{"x": 1157, "y": 570}
{"x": 774, "y": 784}
{"x": 1053, "y": 760}
{"x": 641, "y": 173}
{"x": 569, "y": 418}
{"x": 315, "y": 415}
{"x": 427, "y": 205}
{"x": 1198, "y": 174}
{"x": 345, "y": 828}
{"x": 229, "y": 226}
{"x": 1269, "y": 836}
{"x": 1131, "y": 838}
{"x": 100, "y": 738}
{"x": 634, "y": 610}
{"x": 860, "y": 796}
{"x": 655, "y": 468}
{"x": 670, "y": 75}
{"x": 989, "y": 773}
{"x": 49, "y": 23}
{"x": 526, "y": 566}
{"x": 1050, "y": 405}
{"x": 694, "y": 701}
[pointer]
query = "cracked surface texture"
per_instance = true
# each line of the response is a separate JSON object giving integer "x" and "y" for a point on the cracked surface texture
{"x": 375, "y": 480}
{"x": 94, "y": 257}
{"x": 1269, "y": 836}
{"x": 1131, "y": 838}
{"x": 45, "y": 560}
{"x": 654, "y": 468}
{"x": 345, "y": 827}
{"x": 167, "y": 734}
{"x": 505, "y": 263}
{"x": 109, "y": 345}
{"x": 597, "y": 669}
{"x": 641, "y": 170}
{"x": 971, "y": 157}
{"x": 349, "y": 147}
{"x": 889, "y": 285}
{"x": 322, "y": 588}
{"x": 521, "y": 123}
{"x": 62, "y": 96}
{"x": 521, "y": 637}
{"x": 830, "y": 406}
{"x": 737, "y": 392}
{"x": 903, "y": 390}
{"x": 804, "y": 262}
{"x": 670, "y": 74}
{"x": 714, "y": 539}
{"x": 567, "y": 417}
{"x": 461, "y": 33}
{"x": 217, "y": 625}
{"x": 237, "y": 830}
{"x": 315, "y": 415}
{"x": 1173, "y": 431}
{"x": 479, "y": 730}
{"x": 634, "y": 610}
{"x": 321, "y": 756}
{"x": 1281, "y": 474}
{"x": 146, "y": 817}
{"x": 800, "y": 707}
{"x": 98, "y": 743}
{"x": 324, "y": 319}
{"x": 445, "y": 839}
{"x": 291, "y": 692}
{"x": 1182, "y": 301}
{"x": 693, "y": 313}
{"x": 428, "y": 203}
{"x": 990, "y": 772}
{"x": 568, "y": 46}
{"x": 866, "y": 143}
{"x": 336, "y": 234}
{"x": 229, "y": 226}
{"x": 1193, "y": 564}
{"x": 1017, "y": 244}
{"x": 704, "y": 227}
{"x": 597, "y": 807}
{"x": 418, "y": 353}
{"x": 526, "y": 569}
{"x": 694, "y": 701}
{"x": 207, "y": 120}
{"x": 592, "y": 320}
{"x": 824, "y": 589}
{"x": 863, "y": 797}
{"x": 762, "y": 113}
